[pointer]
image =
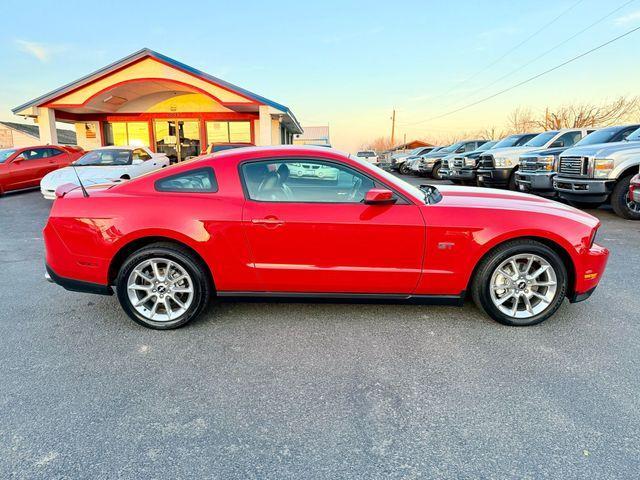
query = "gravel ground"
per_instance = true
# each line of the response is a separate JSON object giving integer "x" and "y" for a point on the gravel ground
{"x": 304, "y": 390}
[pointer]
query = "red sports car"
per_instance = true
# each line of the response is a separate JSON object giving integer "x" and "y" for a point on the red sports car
{"x": 22, "y": 168}
{"x": 634, "y": 189}
{"x": 237, "y": 224}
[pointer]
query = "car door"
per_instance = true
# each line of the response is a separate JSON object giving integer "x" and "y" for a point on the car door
{"x": 309, "y": 230}
{"x": 28, "y": 168}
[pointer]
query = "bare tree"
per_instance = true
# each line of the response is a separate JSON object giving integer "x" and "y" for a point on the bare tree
{"x": 521, "y": 120}
{"x": 379, "y": 144}
{"x": 589, "y": 115}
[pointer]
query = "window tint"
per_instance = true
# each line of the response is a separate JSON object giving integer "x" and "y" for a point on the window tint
{"x": 53, "y": 152}
{"x": 105, "y": 157}
{"x": 570, "y": 138}
{"x": 140, "y": 154}
{"x": 304, "y": 181}
{"x": 201, "y": 180}
{"x": 35, "y": 153}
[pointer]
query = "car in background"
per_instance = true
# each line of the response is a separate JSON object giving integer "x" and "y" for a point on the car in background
{"x": 23, "y": 168}
{"x": 431, "y": 163}
{"x": 104, "y": 165}
{"x": 221, "y": 147}
{"x": 368, "y": 155}
{"x": 398, "y": 159}
{"x": 538, "y": 168}
{"x": 634, "y": 189}
{"x": 412, "y": 163}
{"x": 591, "y": 175}
{"x": 231, "y": 225}
{"x": 460, "y": 167}
{"x": 497, "y": 168}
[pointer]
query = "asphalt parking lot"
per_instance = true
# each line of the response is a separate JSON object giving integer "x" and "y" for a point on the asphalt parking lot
{"x": 304, "y": 390}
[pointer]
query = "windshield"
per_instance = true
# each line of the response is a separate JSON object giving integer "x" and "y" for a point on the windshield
{"x": 451, "y": 148}
{"x": 541, "y": 140}
{"x": 599, "y": 136}
{"x": 485, "y": 146}
{"x": 105, "y": 158}
{"x": 4, "y": 154}
{"x": 634, "y": 137}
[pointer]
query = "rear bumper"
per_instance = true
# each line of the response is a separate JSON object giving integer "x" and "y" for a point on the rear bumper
{"x": 498, "y": 177}
{"x": 583, "y": 190}
{"x": 535, "y": 181}
{"x": 77, "y": 285}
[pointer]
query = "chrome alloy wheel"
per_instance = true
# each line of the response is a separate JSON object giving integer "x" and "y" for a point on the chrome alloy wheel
{"x": 160, "y": 290}
{"x": 523, "y": 286}
{"x": 631, "y": 205}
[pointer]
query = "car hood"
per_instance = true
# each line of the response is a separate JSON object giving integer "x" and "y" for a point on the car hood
{"x": 510, "y": 151}
{"x": 602, "y": 150}
{"x": 88, "y": 175}
{"x": 545, "y": 152}
{"x": 501, "y": 200}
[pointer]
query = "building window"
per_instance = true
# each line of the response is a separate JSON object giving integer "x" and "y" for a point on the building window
{"x": 120, "y": 134}
{"x": 228, "y": 132}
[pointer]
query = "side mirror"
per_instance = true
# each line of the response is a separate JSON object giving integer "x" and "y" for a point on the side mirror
{"x": 460, "y": 150}
{"x": 137, "y": 161}
{"x": 19, "y": 158}
{"x": 557, "y": 144}
{"x": 379, "y": 196}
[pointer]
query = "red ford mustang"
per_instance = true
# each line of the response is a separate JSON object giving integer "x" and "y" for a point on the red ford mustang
{"x": 311, "y": 222}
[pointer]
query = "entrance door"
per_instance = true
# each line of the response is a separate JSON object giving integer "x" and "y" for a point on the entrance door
{"x": 177, "y": 139}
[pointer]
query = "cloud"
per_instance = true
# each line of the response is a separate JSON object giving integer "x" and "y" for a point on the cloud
{"x": 38, "y": 50}
{"x": 628, "y": 18}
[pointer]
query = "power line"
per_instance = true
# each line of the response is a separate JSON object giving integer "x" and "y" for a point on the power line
{"x": 564, "y": 42}
{"x": 513, "y": 49}
{"x": 530, "y": 79}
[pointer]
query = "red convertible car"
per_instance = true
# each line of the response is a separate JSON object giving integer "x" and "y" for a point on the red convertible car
{"x": 22, "y": 168}
{"x": 237, "y": 224}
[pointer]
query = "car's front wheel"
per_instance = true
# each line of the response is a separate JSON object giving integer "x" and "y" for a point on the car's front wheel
{"x": 163, "y": 286}
{"x": 404, "y": 169}
{"x": 622, "y": 203}
{"x": 435, "y": 173}
{"x": 520, "y": 283}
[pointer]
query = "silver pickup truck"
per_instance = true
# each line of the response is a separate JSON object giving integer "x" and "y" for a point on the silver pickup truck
{"x": 591, "y": 175}
{"x": 538, "y": 168}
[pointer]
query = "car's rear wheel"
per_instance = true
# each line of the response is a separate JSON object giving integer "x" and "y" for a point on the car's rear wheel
{"x": 404, "y": 169}
{"x": 163, "y": 286}
{"x": 520, "y": 283}
{"x": 435, "y": 173}
{"x": 622, "y": 203}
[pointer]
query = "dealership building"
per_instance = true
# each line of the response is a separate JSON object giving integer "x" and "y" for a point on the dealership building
{"x": 150, "y": 99}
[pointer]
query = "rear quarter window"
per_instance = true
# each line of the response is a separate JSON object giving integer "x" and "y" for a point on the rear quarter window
{"x": 200, "y": 180}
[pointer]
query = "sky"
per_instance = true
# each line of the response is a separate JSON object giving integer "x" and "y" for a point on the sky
{"x": 345, "y": 64}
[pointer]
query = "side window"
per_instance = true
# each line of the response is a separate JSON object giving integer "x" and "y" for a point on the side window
{"x": 624, "y": 134}
{"x": 34, "y": 153}
{"x": 570, "y": 138}
{"x": 54, "y": 152}
{"x": 201, "y": 180}
{"x": 140, "y": 154}
{"x": 304, "y": 181}
{"x": 470, "y": 146}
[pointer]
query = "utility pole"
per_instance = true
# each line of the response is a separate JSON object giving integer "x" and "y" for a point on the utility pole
{"x": 393, "y": 128}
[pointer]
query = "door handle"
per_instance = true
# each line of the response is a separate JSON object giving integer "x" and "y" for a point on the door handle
{"x": 267, "y": 222}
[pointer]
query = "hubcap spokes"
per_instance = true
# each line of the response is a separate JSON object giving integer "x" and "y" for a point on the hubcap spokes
{"x": 160, "y": 289}
{"x": 633, "y": 206}
{"x": 523, "y": 286}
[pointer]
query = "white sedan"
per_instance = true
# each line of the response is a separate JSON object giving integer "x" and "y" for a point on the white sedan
{"x": 104, "y": 165}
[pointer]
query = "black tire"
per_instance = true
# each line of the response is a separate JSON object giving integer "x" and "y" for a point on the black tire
{"x": 404, "y": 169}
{"x": 202, "y": 287}
{"x": 435, "y": 173}
{"x": 578, "y": 204}
{"x": 512, "y": 185}
{"x": 620, "y": 200}
{"x": 481, "y": 283}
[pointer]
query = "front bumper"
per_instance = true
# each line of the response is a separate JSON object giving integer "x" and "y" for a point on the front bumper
{"x": 583, "y": 189}
{"x": 535, "y": 181}
{"x": 589, "y": 268}
{"x": 426, "y": 167}
{"x": 462, "y": 174}
{"x": 494, "y": 177}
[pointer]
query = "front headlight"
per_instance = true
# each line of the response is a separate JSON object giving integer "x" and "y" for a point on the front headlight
{"x": 547, "y": 163}
{"x": 470, "y": 162}
{"x": 602, "y": 167}
{"x": 502, "y": 162}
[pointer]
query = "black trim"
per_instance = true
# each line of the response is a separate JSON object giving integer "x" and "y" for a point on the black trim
{"x": 580, "y": 297}
{"x": 293, "y": 158}
{"x": 78, "y": 285}
{"x": 454, "y": 300}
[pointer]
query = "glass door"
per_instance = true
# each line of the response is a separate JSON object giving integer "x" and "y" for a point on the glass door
{"x": 177, "y": 139}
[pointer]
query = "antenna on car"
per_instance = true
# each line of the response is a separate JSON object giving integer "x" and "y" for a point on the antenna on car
{"x": 84, "y": 190}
